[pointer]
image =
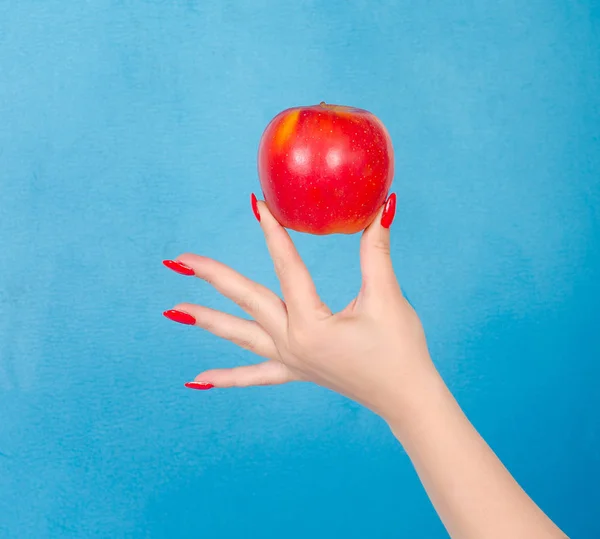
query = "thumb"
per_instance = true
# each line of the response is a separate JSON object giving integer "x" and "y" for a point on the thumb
{"x": 375, "y": 259}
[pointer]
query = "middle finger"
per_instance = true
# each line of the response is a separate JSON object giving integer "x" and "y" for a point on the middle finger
{"x": 258, "y": 301}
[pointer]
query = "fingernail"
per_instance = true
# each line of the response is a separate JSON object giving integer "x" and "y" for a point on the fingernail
{"x": 389, "y": 211}
{"x": 178, "y": 267}
{"x": 255, "y": 207}
{"x": 199, "y": 385}
{"x": 181, "y": 317}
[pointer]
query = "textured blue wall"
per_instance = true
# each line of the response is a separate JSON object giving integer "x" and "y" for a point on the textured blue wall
{"x": 128, "y": 134}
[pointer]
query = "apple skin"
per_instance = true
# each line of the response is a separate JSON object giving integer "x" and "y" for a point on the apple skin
{"x": 325, "y": 169}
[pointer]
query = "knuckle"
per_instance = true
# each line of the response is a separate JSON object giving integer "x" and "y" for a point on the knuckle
{"x": 246, "y": 342}
{"x": 280, "y": 265}
{"x": 206, "y": 324}
{"x": 207, "y": 270}
{"x": 268, "y": 232}
{"x": 238, "y": 381}
{"x": 301, "y": 340}
{"x": 249, "y": 303}
{"x": 382, "y": 247}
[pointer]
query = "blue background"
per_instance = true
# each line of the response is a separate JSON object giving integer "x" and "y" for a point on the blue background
{"x": 128, "y": 134}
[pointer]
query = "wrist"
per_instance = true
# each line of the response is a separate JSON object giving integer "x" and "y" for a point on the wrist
{"x": 408, "y": 409}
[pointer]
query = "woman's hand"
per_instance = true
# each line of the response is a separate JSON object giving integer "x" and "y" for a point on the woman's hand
{"x": 371, "y": 351}
{"x": 374, "y": 352}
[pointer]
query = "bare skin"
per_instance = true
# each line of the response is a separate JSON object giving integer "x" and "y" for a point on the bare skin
{"x": 374, "y": 352}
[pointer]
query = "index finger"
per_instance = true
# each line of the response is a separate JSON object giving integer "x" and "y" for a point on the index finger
{"x": 298, "y": 289}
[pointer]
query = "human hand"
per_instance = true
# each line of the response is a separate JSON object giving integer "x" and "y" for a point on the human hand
{"x": 372, "y": 351}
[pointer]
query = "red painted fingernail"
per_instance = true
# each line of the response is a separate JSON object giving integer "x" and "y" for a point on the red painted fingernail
{"x": 199, "y": 385}
{"x": 178, "y": 267}
{"x": 255, "y": 207}
{"x": 389, "y": 211}
{"x": 181, "y": 317}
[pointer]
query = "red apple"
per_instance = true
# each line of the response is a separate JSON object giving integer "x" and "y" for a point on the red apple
{"x": 325, "y": 169}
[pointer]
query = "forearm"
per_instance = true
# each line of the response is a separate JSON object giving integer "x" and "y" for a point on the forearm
{"x": 473, "y": 493}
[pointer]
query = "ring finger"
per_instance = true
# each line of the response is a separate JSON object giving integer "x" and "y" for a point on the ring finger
{"x": 247, "y": 334}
